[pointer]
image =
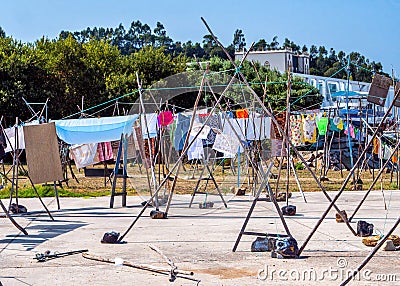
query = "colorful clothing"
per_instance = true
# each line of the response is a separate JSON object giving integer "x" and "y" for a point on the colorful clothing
{"x": 322, "y": 124}
{"x": 351, "y": 129}
{"x": 242, "y": 113}
{"x": 332, "y": 126}
{"x": 309, "y": 128}
{"x": 338, "y": 123}
{"x": 296, "y": 130}
{"x": 376, "y": 146}
{"x": 165, "y": 118}
{"x": 104, "y": 151}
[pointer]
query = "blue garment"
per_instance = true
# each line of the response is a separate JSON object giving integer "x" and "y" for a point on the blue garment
{"x": 182, "y": 128}
{"x": 94, "y": 130}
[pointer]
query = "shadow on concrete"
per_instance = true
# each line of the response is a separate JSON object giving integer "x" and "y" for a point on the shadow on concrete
{"x": 42, "y": 232}
{"x": 19, "y": 279}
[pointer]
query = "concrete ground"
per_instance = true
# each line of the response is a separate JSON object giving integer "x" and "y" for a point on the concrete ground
{"x": 199, "y": 240}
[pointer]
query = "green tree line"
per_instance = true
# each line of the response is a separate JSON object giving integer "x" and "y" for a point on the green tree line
{"x": 99, "y": 64}
{"x": 138, "y": 35}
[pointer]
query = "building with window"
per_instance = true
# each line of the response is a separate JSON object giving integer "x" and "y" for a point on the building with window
{"x": 279, "y": 59}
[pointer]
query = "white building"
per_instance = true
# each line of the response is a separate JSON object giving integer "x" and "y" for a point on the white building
{"x": 279, "y": 59}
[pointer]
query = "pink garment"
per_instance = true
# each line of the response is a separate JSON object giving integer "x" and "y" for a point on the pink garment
{"x": 352, "y": 134}
{"x": 104, "y": 151}
{"x": 165, "y": 118}
{"x": 351, "y": 129}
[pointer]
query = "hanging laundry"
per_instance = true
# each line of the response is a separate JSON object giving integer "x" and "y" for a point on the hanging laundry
{"x": 150, "y": 146}
{"x": 171, "y": 131}
{"x": 394, "y": 157}
{"x": 276, "y": 148}
{"x": 195, "y": 150}
{"x": 165, "y": 118}
{"x": 296, "y": 130}
{"x": 281, "y": 119}
{"x": 201, "y": 130}
{"x": 132, "y": 147}
{"x": 333, "y": 126}
{"x": 359, "y": 135}
{"x": 10, "y": 138}
{"x": 149, "y": 130}
{"x": 213, "y": 122}
{"x": 309, "y": 128}
{"x": 351, "y": 130}
{"x": 231, "y": 127}
{"x": 182, "y": 128}
{"x": 104, "y": 150}
{"x": 242, "y": 113}
{"x": 338, "y": 123}
{"x": 94, "y": 130}
{"x": 376, "y": 146}
{"x": 322, "y": 124}
{"x": 203, "y": 115}
{"x": 229, "y": 114}
{"x": 84, "y": 154}
{"x": 385, "y": 152}
{"x": 258, "y": 128}
{"x": 42, "y": 153}
{"x": 226, "y": 144}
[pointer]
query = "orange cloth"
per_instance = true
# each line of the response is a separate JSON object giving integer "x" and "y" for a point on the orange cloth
{"x": 242, "y": 113}
{"x": 376, "y": 147}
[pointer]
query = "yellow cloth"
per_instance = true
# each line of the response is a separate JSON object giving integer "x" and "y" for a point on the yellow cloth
{"x": 309, "y": 128}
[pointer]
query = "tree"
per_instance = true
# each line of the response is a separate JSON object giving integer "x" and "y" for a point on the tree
{"x": 313, "y": 51}
{"x": 211, "y": 48}
{"x": 190, "y": 50}
{"x": 2, "y": 33}
{"x": 153, "y": 64}
{"x": 239, "y": 42}
{"x": 118, "y": 38}
{"x": 286, "y": 43}
{"x": 261, "y": 45}
{"x": 161, "y": 38}
{"x": 274, "y": 44}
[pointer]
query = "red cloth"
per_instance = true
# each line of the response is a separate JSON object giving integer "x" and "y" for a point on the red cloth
{"x": 242, "y": 113}
{"x": 104, "y": 151}
{"x": 165, "y": 118}
{"x": 204, "y": 114}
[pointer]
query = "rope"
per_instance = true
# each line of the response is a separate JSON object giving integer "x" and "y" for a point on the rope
{"x": 101, "y": 104}
{"x": 196, "y": 87}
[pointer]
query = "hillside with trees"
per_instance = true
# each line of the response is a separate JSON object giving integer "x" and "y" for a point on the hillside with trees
{"x": 99, "y": 64}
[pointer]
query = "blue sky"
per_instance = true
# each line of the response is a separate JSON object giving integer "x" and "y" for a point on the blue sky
{"x": 367, "y": 26}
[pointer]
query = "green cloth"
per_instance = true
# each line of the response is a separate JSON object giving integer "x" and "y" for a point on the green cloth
{"x": 332, "y": 126}
{"x": 322, "y": 125}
